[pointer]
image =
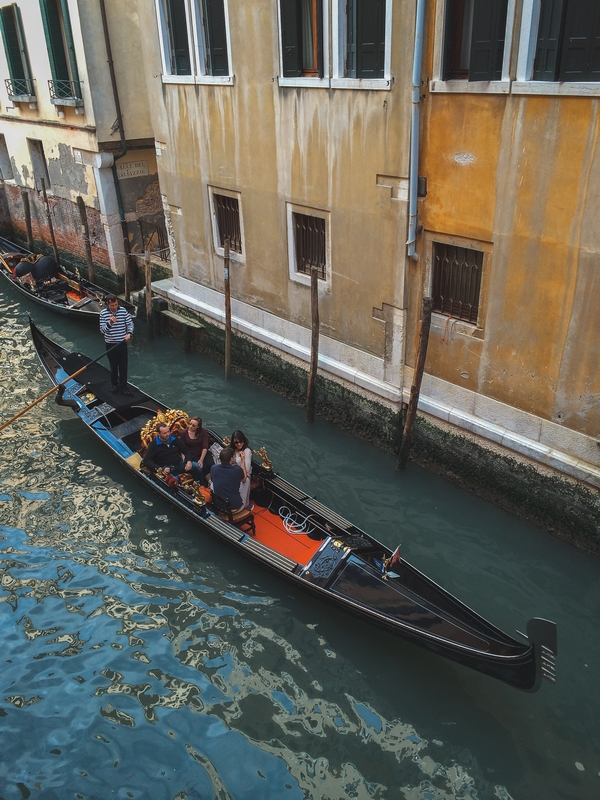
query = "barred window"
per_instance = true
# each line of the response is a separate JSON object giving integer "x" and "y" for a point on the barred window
{"x": 456, "y": 281}
{"x": 309, "y": 242}
{"x": 227, "y": 211}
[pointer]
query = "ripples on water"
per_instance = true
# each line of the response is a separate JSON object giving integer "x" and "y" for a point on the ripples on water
{"x": 141, "y": 660}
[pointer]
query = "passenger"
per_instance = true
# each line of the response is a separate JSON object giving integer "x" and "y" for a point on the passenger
{"x": 226, "y": 479}
{"x": 167, "y": 452}
{"x": 195, "y": 438}
{"x": 243, "y": 458}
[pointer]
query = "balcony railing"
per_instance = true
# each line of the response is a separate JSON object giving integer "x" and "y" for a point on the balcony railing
{"x": 65, "y": 93}
{"x": 20, "y": 89}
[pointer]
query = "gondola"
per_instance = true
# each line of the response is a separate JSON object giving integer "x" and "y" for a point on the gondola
{"x": 302, "y": 540}
{"x": 70, "y": 295}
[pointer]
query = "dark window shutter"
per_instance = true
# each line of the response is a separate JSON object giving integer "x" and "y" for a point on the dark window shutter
{"x": 370, "y": 38}
{"x": 179, "y": 46}
{"x": 580, "y": 59}
{"x": 545, "y": 65}
{"x": 54, "y": 40}
{"x": 10, "y": 38}
{"x": 215, "y": 37}
{"x": 451, "y": 40}
{"x": 290, "y": 38}
{"x": 70, "y": 44}
{"x": 487, "y": 40}
{"x": 351, "y": 12}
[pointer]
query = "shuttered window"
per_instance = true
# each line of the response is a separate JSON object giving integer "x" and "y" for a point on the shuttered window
{"x": 568, "y": 43}
{"x": 309, "y": 243}
{"x": 302, "y": 38}
{"x": 365, "y": 38}
{"x": 227, "y": 212}
{"x": 179, "y": 48}
{"x": 185, "y": 54}
{"x": 13, "y": 38}
{"x": 456, "y": 281}
{"x": 61, "y": 49}
{"x": 215, "y": 38}
{"x": 474, "y": 39}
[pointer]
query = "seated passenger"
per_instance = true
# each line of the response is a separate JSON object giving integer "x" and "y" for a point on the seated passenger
{"x": 167, "y": 452}
{"x": 226, "y": 478}
{"x": 195, "y": 438}
{"x": 243, "y": 458}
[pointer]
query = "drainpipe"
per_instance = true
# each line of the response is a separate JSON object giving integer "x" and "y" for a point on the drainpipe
{"x": 413, "y": 174}
{"x": 123, "y": 150}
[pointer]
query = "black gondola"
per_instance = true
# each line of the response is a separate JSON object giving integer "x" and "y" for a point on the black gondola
{"x": 69, "y": 294}
{"x": 307, "y": 543}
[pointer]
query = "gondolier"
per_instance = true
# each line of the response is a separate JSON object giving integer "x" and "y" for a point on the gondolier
{"x": 116, "y": 325}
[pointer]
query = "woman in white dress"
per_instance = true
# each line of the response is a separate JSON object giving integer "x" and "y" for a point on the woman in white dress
{"x": 243, "y": 457}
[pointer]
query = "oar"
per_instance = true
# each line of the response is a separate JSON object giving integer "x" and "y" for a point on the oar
{"x": 54, "y": 388}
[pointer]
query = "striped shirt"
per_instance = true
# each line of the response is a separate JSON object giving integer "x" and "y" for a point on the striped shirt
{"x": 115, "y": 332}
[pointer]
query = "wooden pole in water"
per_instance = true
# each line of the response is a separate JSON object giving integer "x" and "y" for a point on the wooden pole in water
{"x": 148, "y": 273}
{"x": 416, "y": 386}
{"x": 314, "y": 343}
{"x": 86, "y": 237}
{"x": 50, "y": 225}
{"x": 227, "y": 309}
{"x": 27, "y": 212}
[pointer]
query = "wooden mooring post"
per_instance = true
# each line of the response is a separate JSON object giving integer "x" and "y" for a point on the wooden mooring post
{"x": 416, "y": 385}
{"x": 85, "y": 231}
{"x": 27, "y": 213}
{"x": 226, "y": 266}
{"x": 50, "y": 225}
{"x": 314, "y": 344}
{"x": 149, "y": 315}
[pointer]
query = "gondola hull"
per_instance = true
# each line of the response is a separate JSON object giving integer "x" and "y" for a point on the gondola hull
{"x": 81, "y": 299}
{"x": 318, "y": 550}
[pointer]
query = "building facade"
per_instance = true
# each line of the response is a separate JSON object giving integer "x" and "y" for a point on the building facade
{"x": 67, "y": 126}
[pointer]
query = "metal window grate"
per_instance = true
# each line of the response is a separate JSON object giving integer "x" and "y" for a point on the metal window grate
{"x": 309, "y": 239}
{"x": 19, "y": 87}
{"x": 64, "y": 90}
{"x": 227, "y": 210}
{"x": 456, "y": 281}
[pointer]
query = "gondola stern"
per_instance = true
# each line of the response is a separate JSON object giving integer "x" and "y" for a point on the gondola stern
{"x": 543, "y": 638}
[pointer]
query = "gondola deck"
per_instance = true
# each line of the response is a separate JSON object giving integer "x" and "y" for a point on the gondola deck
{"x": 310, "y": 545}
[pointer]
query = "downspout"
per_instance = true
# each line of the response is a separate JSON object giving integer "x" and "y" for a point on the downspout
{"x": 413, "y": 175}
{"x": 123, "y": 150}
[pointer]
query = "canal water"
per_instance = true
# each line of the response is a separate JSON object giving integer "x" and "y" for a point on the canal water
{"x": 143, "y": 659}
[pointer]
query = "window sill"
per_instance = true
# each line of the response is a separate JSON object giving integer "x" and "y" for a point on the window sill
{"x": 22, "y": 98}
{"x": 239, "y": 258}
{"x": 449, "y": 326}
{"x": 311, "y": 83}
{"x": 199, "y": 79}
{"x": 555, "y": 88}
{"x": 75, "y": 102}
{"x": 299, "y": 277}
{"x": 472, "y": 87}
{"x": 381, "y": 84}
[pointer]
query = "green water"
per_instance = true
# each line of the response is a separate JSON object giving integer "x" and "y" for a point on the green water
{"x": 143, "y": 659}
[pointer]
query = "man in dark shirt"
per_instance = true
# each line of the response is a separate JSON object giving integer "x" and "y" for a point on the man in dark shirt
{"x": 167, "y": 452}
{"x": 226, "y": 478}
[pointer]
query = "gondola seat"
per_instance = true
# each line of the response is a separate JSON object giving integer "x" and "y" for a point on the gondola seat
{"x": 241, "y": 519}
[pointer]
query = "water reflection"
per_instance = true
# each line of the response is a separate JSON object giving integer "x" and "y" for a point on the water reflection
{"x": 144, "y": 660}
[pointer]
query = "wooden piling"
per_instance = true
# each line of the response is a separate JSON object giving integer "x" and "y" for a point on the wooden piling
{"x": 227, "y": 310}
{"x": 149, "y": 317}
{"x": 50, "y": 225}
{"x": 27, "y": 213}
{"x": 416, "y": 386}
{"x": 85, "y": 232}
{"x": 314, "y": 343}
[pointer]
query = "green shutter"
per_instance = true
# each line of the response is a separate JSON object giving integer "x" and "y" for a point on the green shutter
{"x": 545, "y": 65}
{"x": 351, "y": 11}
{"x": 54, "y": 40}
{"x": 487, "y": 40}
{"x": 366, "y": 38}
{"x": 215, "y": 37}
{"x": 450, "y": 42}
{"x": 179, "y": 46}
{"x": 9, "y": 22}
{"x": 580, "y": 59}
{"x": 291, "y": 45}
{"x": 70, "y": 44}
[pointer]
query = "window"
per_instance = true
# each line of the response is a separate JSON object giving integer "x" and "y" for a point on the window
{"x": 6, "y": 171}
{"x": 456, "y": 281}
{"x": 309, "y": 243}
{"x": 568, "y": 41}
{"x": 65, "y": 88}
{"x": 302, "y": 38}
{"x": 20, "y": 84}
{"x": 365, "y": 38}
{"x": 227, "y": 222}
{"x": 474, "y": 39}
{"x": 38, "y": 163}
{"x": 194, "y": 39}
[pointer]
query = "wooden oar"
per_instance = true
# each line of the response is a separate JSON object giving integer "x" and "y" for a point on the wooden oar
{"x": 54, "y": 388}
